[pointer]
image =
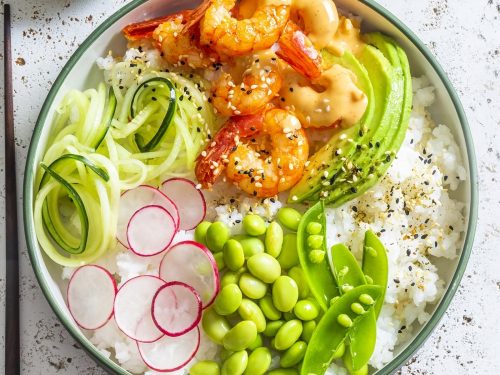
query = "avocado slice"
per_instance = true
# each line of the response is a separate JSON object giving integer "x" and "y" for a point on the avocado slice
{"x": 329, "y": 157}
{"x": 374, "y": 165}
{"x": 374, "y": 142}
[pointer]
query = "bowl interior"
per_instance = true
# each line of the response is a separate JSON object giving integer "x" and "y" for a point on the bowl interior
{"x": 81, "y": 72}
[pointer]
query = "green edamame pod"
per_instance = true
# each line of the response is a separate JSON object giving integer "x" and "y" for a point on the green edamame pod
{"x": 249, "y": 310}
{"x": 272, "y": 328}
{"x": 318, "y": 275}
{"x": 258, "y": 362}
{"x": 297, "y": 274}
{"x": 345, "y": 267}
{"x": 274, "y": 239}
{"x": 362, "y": 339}
{"x": 235, "y": 364}
{"x": 289, "y": 256}
{"x": 268, "y": 308}
{"x": 293, "y": 355}
{"x": 288, "y": 334}
{"x": 375, "y": 264}
{"x": 205, "y": 368}
{"x": 330, "y": 334}
{"x": 214, "y": 325}
{"x": 241, "y": 336}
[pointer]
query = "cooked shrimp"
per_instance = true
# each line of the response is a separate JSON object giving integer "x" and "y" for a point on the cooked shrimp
{"x": 145, "y": 29}
{"x": 260, "y": 84}
{"x": 232, "y": 37}
{"x": 272, "y": 162}
{"x": 212, "y": 161}
{"x": 179, "y": 41}
{"x": 299, "y": 52}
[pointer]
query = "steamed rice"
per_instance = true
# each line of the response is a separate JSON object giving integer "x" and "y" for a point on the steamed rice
{"x": 410, "y": 209}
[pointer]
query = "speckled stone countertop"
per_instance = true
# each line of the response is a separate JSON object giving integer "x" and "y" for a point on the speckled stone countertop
{"x": 464, "y": 35}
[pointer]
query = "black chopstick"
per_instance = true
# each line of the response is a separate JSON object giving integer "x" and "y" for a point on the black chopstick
{"x": 12, "y": 347}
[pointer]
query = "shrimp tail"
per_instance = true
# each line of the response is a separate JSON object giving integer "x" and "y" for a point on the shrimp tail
{"x": 145, "y": 29}
{"x": 211, "y": 163}
{"x": 197, "y": 14}
{"x": 297, "y": 50}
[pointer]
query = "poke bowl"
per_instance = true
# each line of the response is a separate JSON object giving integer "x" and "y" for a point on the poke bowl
{"x": 281, "y": 187}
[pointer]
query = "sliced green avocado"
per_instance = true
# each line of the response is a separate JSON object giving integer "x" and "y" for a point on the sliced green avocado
{"x": 329, "y": 157}
{"x": 372, "y": 166}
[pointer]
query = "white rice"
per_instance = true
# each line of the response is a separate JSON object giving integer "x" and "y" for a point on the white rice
{"x": 410, "y": 209}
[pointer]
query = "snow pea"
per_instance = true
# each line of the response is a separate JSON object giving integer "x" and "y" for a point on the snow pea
{"x": 375, "y": 264}
{"x": 363, "y": 335}
{"x": 319, "y": 275}
{"x": 330, "y": 334}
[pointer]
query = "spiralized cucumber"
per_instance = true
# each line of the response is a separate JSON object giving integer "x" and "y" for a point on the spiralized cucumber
{"x": 110, "y": 139}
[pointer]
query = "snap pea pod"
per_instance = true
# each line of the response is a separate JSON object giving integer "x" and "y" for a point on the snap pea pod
{"x": 375, "y": 264}
{"x": 319, "y": 276}
{"x": 362, "y": 336}
{"x": 334, "y": 327}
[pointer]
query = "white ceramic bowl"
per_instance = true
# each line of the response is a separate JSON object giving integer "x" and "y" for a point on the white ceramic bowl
{"x": 81, "y": 73}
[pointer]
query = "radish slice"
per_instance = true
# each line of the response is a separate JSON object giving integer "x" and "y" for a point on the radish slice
{"x": 193, "y": 264}
{"x": 170, "y": 353}
{"x": 150, "y": 231}
{"x": 91, "y": 295}
{"x": 133, "y": 308}
{"x": 176, "y": 308}
{"x": 133, "y": 200}
{"x": 189, "y": 201}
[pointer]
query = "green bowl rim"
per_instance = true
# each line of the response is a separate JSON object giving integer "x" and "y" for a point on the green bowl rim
{"x": 425, "y": 332}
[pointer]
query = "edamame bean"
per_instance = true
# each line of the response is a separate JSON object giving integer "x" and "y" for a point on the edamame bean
{"x": 274, "y": 239}
{"x": 249, "y": 310}
{"x": 235, "y": 364}
{"x": 289, "y": 217}
{"x": 288, "y": 334}
{"x": 219, "y": 260}
{"x": 316, "y": 256}
{"x": 272, "y": 328}
{"x": 297, "y": 274}
{"x": 228, "y": 300}
{"x": 289, "y": 256}
{"x": 315, "y": 241}
{"x": 215, "y": 326}
{"x": 251, "y": 246}
{"x": 308, "y": 330}
{"x": 205, "y": 368}
{"x": 314, "y": 228}
{"x": 283, "y": 371}
{"x": 254, "y": 225}
{"x": 268, "y": 309}
{"x": 257, "y": 343}
{"x": 306, "y": 310}
{"x": 241, "y": 336}
{"x": 228, "y": 278}
{"x": 264, "y": 267}
{"x": 252, "y": 287}
{"x": 258, "y": 362}
{"x": 344, "y": 320}
{"x": 293, "y": 355}
{"x": 217, "y": 235}
{"x": 234, "y": 257}
{"x": 285, "y": 293}
{"x": 200, "y": 233}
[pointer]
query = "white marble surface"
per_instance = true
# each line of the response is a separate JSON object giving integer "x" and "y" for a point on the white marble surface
{"x": 464, "y": 35}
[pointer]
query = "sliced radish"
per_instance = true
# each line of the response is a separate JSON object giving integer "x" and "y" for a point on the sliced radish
{"x": 150, "y": 231}
{"x": 170, "y": 353}
{"x": 189, "y": 201}
{"x": 133, "y": 200}
{"x": 193, "y": 264}
{"x": 176, "y": 308}
{"x": 91, "y": 296}
{"x": 133, "y": 308}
